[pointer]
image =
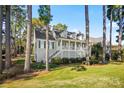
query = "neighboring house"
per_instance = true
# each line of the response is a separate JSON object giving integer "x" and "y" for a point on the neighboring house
{"x": 100, "y": 40}
{"x": 114, "y": 47}
{"x": 96, "y": 40}
{"x": 61, "y": 44}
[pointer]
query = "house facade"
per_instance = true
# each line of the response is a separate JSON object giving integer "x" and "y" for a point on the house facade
{"x": 61, "y": 44}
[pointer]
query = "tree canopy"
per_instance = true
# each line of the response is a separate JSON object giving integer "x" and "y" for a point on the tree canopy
{"x": 60, "y": 27}
{"x": 44, "y": 14}
{"x": 37, "y": 23}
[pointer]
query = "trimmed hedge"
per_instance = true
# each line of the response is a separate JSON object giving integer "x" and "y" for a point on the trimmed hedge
{"x": 37, "y": 66}
{"x": 94, "y": 62}
{"x": 65, "y": 61}
{"x": 58, "y": 60}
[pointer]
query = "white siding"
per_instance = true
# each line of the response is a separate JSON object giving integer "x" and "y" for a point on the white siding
{"x": 41, "y": 52}
{"x": 72, "y": 51}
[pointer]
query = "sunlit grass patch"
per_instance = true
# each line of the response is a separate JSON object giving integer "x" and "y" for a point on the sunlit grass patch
{"x": 110, "y": 75}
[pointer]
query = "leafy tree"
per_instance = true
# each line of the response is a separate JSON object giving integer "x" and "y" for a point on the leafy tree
{"x": 45, "y": 17}
{"x": 87, "y": 32}
{"x": 116, "y": 13}
{"x": 28, "y": 44}
{"x": 37, "y": 23}
{"x": 60, "y": 27}
{"x": 112, "y": 16}
{"x": 96, "y": 50}
{"x": 120, "y": 23}
{"x": 18, "y": 24}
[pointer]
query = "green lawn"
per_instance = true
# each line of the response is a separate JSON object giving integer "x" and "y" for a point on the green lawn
{"x": 111, "y": 75}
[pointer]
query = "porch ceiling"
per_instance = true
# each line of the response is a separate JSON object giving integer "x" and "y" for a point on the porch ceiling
{"x": 72, "y": 40}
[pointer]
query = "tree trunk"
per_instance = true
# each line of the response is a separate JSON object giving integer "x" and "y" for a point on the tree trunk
{"x": 87, "y": 32}
{"x": 47, "y": 47}
{"x": 15, "y": 50}
{"x": 20, "y": 44}
{"x": 104, "y": 33}
{"x": 1, "y": 38}
{"x": 110, "y": 53}
{"x": 120, "y": 34}
{"x": 28, "y": 44}
{"x": 8, "y": 39}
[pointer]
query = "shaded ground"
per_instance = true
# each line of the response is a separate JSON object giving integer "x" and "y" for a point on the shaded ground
{"x": 111, "y": 75}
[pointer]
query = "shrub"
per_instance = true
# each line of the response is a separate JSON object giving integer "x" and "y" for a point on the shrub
{"x": 115, "y": 56}
{"x": 53, "y": 65}
{"x": 96, "y": 50}
{"x": 56, "y": 60}
{"x": 37, "y": 65}
{"x": 83, "y": 59}
{"x": 79, "y": 68}
{"x": 93, "y": 60}
{"x": 66, "y": 60}
{"x": 2, "y": 77}
{"x": 78, "y": 60}
{"x": 72, "y": 60}
{"x": 107, "y": 56}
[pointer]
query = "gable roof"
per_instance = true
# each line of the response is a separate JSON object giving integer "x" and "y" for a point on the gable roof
{"x": 57, "y": 34}
{"x": 41, "y": 34}
{"x": 96, "y": 40}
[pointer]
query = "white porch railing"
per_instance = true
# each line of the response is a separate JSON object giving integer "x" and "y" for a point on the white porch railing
{"x": 71, "y": 48}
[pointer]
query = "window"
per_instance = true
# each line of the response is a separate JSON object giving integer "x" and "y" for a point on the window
{"x": 39, "y": 44}
{"x": 44, "y": 44}
{"x": 58, "y": 43}
{"x": 52, "y": 45}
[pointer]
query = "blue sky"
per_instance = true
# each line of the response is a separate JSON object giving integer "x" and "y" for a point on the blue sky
{"x": 73, "y": 16}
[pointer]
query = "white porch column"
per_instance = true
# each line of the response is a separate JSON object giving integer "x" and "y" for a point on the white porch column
{"x": 61, "y": 48}
{"x": 69, "y": 50}
{"x": 69, "y": 45}
{"x": 56, "y": 47}
{"x": 61, "y": 44}
{"x": 81, "y": 46}
{"x": 35, "y": 47}
{"x": 75, "y": 49}
{"x": 75, "y": 46}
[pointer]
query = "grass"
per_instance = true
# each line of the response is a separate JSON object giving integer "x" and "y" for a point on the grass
{"x": 99, "y": 76}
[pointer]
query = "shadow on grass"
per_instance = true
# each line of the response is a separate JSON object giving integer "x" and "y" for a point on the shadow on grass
{"x": 62, "y": 66}
{"x": 25, "y": 77}
{"x": 117, "y": 62}
{"x": 35, "y": 72}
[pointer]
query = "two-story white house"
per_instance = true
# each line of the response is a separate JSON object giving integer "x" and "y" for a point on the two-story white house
{"x": 61, "y": 44}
